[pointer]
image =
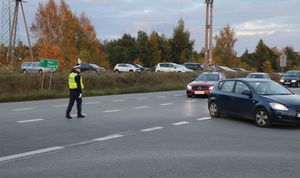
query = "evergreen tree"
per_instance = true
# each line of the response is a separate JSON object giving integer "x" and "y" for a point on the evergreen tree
{"x": 143, "y": 48}
{"x": 182, "y": 47}
{"x": 261, "y": 55}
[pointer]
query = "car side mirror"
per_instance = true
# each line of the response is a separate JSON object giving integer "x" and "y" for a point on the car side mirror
{"x": 247, "y": 93}
{"x": 193, "y": 79}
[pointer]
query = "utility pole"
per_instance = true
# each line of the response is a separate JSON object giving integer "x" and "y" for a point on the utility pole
{"x": 208, "y": 32}
{"x": 13, "y": 26}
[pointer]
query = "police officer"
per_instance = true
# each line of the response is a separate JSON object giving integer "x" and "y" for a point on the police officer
{"x": 75, "y": 86}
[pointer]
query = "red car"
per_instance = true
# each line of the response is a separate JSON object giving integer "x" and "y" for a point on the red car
{"x": 203, "y": 84}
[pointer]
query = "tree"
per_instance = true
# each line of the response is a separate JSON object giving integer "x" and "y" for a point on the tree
{"x": 143, "y": 47}
{"x": 224, "y": 51}
{"x": 165, "y": 47}
{"x": 292, "y": 57}
{"x": 56, "y": 25}
{"x": 155, "y": 53}
{"x": 182, "y": 47}
{"x": 261, "y": 55}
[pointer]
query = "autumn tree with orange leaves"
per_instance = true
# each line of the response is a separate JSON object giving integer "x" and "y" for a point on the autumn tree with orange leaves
{"x": 64, "y": 37}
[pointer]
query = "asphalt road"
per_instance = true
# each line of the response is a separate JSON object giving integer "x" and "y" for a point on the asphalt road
{"x": 161, "y": 134}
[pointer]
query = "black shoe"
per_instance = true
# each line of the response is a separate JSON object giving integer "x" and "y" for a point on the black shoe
{"x": 80, "y": 116}
{"x": 68, "y": 117}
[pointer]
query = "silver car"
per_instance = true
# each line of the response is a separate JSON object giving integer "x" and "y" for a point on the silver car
{"x": 33, "y": 67}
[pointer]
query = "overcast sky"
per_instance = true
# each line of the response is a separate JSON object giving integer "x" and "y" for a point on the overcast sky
{"x": 277, "y": 22}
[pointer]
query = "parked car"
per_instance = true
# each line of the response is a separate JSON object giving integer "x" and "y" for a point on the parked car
{"x": 224, "y": 69}
{"x": 264, "y": 101}
{"x": 203, "y": 84}
{"x": 169, "y": 67}
{"x": 91, "y": 67}
{"x": 239, "y": 69}
{"x": 143, "y": 69}
{"x": 291, "y": 78}
{"x": 194, "y": 66}
{"x": 34, "y": 67}
{"x": 258, "y": 75}
{"x": 126, "y": 68}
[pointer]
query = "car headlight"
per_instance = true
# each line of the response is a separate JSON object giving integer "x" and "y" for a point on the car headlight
{"x": 189, "y": 87}
{"x": 294, "y": 81}
{"x": 281, "y": 80}
{"x": 211, "y": 88}
{"x": 278, "y": 106}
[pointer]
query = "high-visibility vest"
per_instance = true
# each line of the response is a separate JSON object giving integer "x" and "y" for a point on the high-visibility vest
{"x": 72, "y": 82}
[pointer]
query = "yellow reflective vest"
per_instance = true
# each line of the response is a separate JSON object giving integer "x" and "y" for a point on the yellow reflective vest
{"x": 72, "y": 82}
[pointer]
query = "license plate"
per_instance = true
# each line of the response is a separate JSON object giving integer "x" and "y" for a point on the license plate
{"x": 199, "y": 92}
{"x": 287, "y": 83}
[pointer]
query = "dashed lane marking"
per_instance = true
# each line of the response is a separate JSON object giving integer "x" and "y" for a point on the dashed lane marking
{"x": 203, "y": 118}
{"x": 166, "y": 104}
{"x": 110, "y": 111}
{"x": 177, "y": 95}
{"x": 97, "y": 102}
{"x": 32, "y": 120}
{"x": 74, "y": 115}
{"x": 151, "y": 129}
{"x": 23, "y": 109}
{"x": 161, "y": 96}
{"x": 141, "y": 107}
{"x": 30, "y": 153}
{"x": 109, "y": 137}
{"x": 191, "y": 101}
{"x": 180, "y": 123}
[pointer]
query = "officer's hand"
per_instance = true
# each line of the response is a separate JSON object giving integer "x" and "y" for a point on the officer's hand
{"x": 80, "y": 95}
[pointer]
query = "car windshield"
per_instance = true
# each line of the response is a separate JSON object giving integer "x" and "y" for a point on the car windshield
{"x": 208, "y": 77}
{"x": 290, "y": 74}
{"x": 269, "y": 88}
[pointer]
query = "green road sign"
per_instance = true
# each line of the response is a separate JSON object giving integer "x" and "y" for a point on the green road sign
{"x": 53, "y": 64}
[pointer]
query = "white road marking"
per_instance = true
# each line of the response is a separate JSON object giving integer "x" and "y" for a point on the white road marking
{"x": 117, "y": 101}
{"x": 141, "y": 107}
{"x": 161, "y": 96}
{"x": 60, "y": 106}
{"x": 143, "y": 98}
{"x": 203, "y": 118}
{"x": 23, "y": 109}
{"x": 151, "y": 129}
{"x": 180, "y": 123}
{"x": 166, "y": 104}
{"x": 75, "y": 115}
{"x": 32, "y": 120}
{"x": 109, "y": 137}
{"x": 109, "y": 111}
{"x": 30, "y": 153}
{"x": 97, "y": 102}
{"x": 191, "y": 101}
{"x": 177, "y": 95}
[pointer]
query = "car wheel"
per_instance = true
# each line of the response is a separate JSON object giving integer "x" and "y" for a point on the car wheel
{"x": 24, "y": 71}
{"x": 213, "y": 109}
{"x": 298, "y": 84}
{"x": 130, "y": 70}
{"x": 40, "y": 71}
{"x": 116, "y": 71}
{"x": 262, "y": 118}
{"x": 189, "y": 96}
